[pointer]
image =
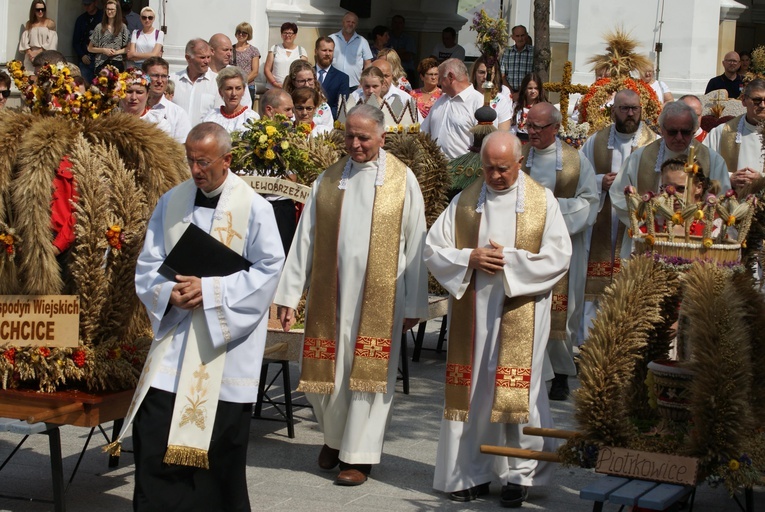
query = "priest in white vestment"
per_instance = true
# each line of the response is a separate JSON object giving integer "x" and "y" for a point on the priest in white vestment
{"x": 642, "y": 170}
{"x": 739, "y": 141}
{"x": 193, "y": 404}
{"x": 606, "y": 150}
{"x": 566, "y": 172}
{"x": 502, "y": 240}
{"x": 358, "y": 250}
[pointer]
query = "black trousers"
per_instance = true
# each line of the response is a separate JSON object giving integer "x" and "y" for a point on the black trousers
{"x": 164, "y": 488}
{"x": 286, "y": 221}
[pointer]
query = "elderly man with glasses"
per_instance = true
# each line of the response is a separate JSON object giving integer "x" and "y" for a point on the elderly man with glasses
{"x": 606, "y": 150}
{"x": 642, "y": 169}
{"x": 738, "y": 141}
{"x": 566, "y": 172}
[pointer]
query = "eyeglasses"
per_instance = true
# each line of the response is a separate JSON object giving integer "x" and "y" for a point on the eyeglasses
{"x": 150, "y": 18}
{"x": 305, "y": 82}
{"x": 756, "y": 101}
{"x": 241, "y": 33}
{"x": 536, "y": 127}
{"x": 628, "y": 108}
{"x": 684, "y": 133}
{"x": 203, "y": 164}
{"x": 678, "y": 188}
{"x": 40, "y": 9}
{"x": 159, "y": 77}
{"x": 305, "y": 109}
{"x": 5, "y": 93}
{"x": 288, "y": 33}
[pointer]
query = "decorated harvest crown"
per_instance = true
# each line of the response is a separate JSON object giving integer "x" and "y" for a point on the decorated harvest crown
{"x": 55, "y": 91}
{"x": 723, "y": 221}
{"x": 400, "y": 117}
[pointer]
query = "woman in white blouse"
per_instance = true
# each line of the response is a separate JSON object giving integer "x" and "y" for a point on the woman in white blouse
{"x": 280, "y": 56}
{"x": 232, "y": 115}
{"x": 146, "y": 42}
{"x": 39, "y": 33}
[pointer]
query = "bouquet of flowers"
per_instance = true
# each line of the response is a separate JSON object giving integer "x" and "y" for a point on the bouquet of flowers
{"x": 55, "y": 92}
{"x": 270, "y": 146}
{"x": 491, "y": 36}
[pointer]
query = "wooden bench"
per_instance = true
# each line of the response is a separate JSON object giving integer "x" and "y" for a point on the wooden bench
{"x": 631, "y": 492}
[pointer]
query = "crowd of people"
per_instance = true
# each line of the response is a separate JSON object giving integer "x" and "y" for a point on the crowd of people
{"x": 515, "y": 250}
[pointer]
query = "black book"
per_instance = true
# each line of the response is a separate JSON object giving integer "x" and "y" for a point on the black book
{"x": 201, "y": 255}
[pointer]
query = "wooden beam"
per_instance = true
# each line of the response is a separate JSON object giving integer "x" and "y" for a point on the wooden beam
{"x": 520, "y": 453}
{"x": 54, "y": 413}
{"x": 549, "y": 432}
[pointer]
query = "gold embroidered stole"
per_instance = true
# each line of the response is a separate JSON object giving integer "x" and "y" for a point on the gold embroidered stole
{"x": 604, "y": 261}
{"x": 202, "y": 368}
{"x": 649, "y": 179}
{"x": 566, "y": 183}
{"x": 516, "y": 331}
{"x": 375, "y": 335}
{"x": 728, "y": 148}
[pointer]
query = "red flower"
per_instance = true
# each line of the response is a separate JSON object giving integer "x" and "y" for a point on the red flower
{"x": 10, "y": 355}
{"x": 44, "y": 351}
{"x": 78, "y": 356}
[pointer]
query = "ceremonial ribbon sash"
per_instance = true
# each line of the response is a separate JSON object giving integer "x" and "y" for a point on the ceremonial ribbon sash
{"x": 728, "y": 147}
{"x": 604, "y": 261}
{"x": 566, "y": 183}
{"x": 649, "y": 179}
{"x": 369, "y": 372}
{"x": 516, "y": 332}
{"x": 199, "y": 385}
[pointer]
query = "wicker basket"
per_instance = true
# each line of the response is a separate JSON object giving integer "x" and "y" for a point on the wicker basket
{"x": 727, "y": 252}
{"x": 672, "y": 385}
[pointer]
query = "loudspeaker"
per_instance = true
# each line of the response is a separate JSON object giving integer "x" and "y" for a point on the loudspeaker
{"x": 362, "y": 8}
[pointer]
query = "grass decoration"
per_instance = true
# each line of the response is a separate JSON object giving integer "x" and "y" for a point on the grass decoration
{"x": 629, "y": 311}
{"x": 720, "y": 339}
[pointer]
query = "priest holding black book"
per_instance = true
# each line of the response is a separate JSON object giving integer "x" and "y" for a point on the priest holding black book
{"x": 192, "y": 407}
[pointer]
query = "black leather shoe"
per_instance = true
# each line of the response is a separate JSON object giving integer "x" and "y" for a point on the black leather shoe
{"x": 559, "y": 388}
{"x": 470, "y": 494}
{"x": 513, "y": 495}
{"x": 328, "y": 458}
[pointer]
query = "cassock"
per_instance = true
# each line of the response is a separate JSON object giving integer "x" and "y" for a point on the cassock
{"x": 628, "y": 175}
{"x": 459, "y": 463}
{"x": 232, "y": 325}
{"x": 739, "y": 143}
{"x": 620, "y": 146}
{"x": 579, "y": 213}
{"x": 354, "y": 422}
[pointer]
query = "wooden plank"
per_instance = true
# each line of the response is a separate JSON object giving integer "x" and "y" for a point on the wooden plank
{"x": 663, "y": 495}
{"x": 520, "y": 453}
{"x": 601, "y": 489}
{"x": 96, "y": 408}
{"x": 629, "y": 493}
{"x": 659, "y": 467}
{"x": 549, "y": 432}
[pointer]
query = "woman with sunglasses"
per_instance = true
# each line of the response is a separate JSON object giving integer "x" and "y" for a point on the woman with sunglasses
{"x": 246, "y": 57}
{"x": 146, "y": 42}
{"x": 280, "y": 56}
{"x": 39, "y": 33}
{"x": 110, "y": 38}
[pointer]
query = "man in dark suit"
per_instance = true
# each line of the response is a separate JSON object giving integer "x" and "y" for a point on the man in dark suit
{"x": 332, "y": 80}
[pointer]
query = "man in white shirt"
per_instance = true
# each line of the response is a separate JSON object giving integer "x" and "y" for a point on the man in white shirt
{"x": 453, "y": 114}
{"x": 352, "y": 52}
{"x": 195, "y": 89}
{"x": 222, "y": 49}
{"x": 738, "y": 141}
{"x": 389, "y": 92}
{"x": 157, "y": 69}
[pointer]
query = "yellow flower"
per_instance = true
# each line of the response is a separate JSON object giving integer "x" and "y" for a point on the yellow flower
{"x": 270, "y": 130}
{"x": 270, "y": 155}
{"x": 677, "y": 218}
{"x": 285, "y": 144}
{"x": 708, "y": 243}
{"x": 731, "y": 220}
{"x": 262, "y": 139}
{"x": 733, "y": 465}
{"x": 650, "y": 240}
{"x": 699, "y": 215}
{"x": 116, "y": 229}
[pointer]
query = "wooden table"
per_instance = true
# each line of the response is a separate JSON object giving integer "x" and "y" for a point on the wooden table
{"x": 76, "y": 408}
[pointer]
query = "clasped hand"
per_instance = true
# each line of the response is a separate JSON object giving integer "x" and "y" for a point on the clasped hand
{"x": 488, "y": 259}
{"x": 187, "y": 293}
